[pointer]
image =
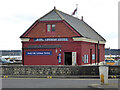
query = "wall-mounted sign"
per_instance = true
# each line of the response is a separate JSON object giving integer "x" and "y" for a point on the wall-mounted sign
{"x": 50, "y": 39}
{"x": 38, "y": 52}
{"x": 59, "y": 60}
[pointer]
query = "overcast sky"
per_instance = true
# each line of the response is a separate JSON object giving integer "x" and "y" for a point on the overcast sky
{"x": 16, "y": 16}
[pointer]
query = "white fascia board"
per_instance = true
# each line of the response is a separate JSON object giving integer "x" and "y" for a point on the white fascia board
{"x": 87, "y": 40}
{"x": 25, "y": 39}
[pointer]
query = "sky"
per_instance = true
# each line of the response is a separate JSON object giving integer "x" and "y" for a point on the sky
{"x": 16, "y": 16}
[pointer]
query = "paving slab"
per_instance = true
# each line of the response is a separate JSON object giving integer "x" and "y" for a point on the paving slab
{"x": 109, "y": 86}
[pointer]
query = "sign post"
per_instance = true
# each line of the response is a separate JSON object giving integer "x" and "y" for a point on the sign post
{"x": 103, "y": 72}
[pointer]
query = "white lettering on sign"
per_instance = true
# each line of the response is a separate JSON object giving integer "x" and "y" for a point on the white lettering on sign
{"x": 38, "y": 52}
{"x": 51, "y": 39}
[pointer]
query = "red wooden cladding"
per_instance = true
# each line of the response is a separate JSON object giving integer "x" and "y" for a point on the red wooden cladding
{"x": 62, "y": 30}
{"x": 81, "y": 48}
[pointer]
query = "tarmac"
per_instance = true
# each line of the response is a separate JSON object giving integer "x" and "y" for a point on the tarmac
{"x": 109, "y": 86}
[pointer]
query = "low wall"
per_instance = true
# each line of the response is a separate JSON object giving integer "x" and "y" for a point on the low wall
{"x": 57, "y": 70}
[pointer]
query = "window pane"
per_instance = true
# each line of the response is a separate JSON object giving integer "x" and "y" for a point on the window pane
{"x": 48, "y": 28}
{"x": 93, "y": 56}
{"x": 87, "y": 59}
{"x": 84, "y": 58}
{"x": 53, "y": 27}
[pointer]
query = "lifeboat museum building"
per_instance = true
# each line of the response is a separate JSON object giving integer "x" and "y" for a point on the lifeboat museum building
{"x": 61, "y": 39}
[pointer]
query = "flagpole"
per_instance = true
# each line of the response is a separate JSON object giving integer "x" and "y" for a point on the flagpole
{"x": 77, "y": 10}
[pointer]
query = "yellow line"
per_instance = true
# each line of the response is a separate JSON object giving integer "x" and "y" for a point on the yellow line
{"x": 57, "y": 78}
{"x": 50, "y": 78}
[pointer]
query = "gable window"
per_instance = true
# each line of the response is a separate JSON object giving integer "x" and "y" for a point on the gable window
{"x": 53, "y": 27}
{"x": 50, "y": 28}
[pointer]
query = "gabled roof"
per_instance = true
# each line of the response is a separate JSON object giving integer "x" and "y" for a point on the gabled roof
{"x": 78, "y": 25}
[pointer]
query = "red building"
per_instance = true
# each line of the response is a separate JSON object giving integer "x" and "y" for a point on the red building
{"x": 61, "y": 39}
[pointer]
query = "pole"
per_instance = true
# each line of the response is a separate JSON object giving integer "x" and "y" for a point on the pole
{"x": 98, "y": 53}
{"x": 95, "y": 54}
{"x": 77, "y": 10}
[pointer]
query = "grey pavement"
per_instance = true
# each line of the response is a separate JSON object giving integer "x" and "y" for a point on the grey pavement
{"x": 111, "y": 86}
{"x": 53, "y": 83}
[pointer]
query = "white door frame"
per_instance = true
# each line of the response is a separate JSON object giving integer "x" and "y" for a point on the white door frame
{"x": 74, "y": 56}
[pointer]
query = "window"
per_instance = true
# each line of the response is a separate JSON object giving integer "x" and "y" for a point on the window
{"x": 53, "y": 27}
{"x": 93, "y": 56}
{"x": 50, "y": 27}
{"x": 85, "y": 58}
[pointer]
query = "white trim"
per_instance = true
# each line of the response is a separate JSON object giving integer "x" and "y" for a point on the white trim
{"x": 25, "y": 39}
{"x": 87, "y": 40}
{"x": 74, "y": 55}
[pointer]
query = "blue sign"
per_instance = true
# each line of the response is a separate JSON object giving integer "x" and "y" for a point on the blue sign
{"x": 38, "y": 52}
{"x": 51, "y": 39}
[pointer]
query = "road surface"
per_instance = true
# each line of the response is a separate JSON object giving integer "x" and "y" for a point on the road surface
{"x": 50, "y": 83}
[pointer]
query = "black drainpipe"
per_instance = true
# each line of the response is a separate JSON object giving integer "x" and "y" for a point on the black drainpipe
{"x": 22, "y": 56}
{"x": 98, "y": 53}
{"x": 95, "y": 54}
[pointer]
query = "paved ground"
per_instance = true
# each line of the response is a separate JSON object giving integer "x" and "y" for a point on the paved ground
{"x": 52, "y": 83}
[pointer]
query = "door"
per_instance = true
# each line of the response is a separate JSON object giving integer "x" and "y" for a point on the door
{"x": 68, "y": 58}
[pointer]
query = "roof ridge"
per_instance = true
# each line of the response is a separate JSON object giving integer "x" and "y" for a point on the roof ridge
{"x": 59, "y": 14}
{"x": 69, "y": 15}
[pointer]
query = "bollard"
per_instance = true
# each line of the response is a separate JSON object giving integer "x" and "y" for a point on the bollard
{"x": 49, "y": 77}
{"x": 103, "y": 72}
{"x": 5, "y": 76}
{"x": 102, "y": 78}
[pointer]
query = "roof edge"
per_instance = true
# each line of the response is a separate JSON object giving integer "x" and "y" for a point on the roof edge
{"x": 45, "y": 15}
{"x": 94, "y": 31}
{"x": 29, "y": 29}
{"x": 69, "y": 26}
